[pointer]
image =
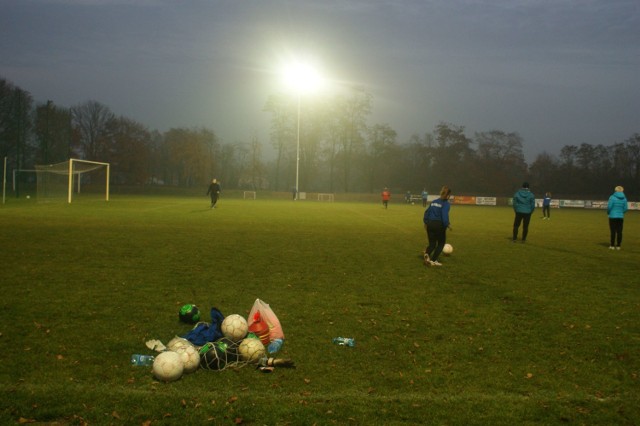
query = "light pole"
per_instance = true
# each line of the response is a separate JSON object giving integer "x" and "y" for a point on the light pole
{"x": 301, "y": 77}
{"x": 298, "y": 148}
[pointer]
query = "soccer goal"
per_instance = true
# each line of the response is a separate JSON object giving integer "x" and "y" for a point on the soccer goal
{"x": 249, "y": 195}
{"x": 72, "y": 178}
{"x": 325, "y": 197}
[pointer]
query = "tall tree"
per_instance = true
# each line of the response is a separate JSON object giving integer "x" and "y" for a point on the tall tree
{"x": 91, "y": 119}
{"x": 253, "y": 175}
{"x": 380, "y": 156}
{"x": 453, "y": 157}
{"x": 568, "y": 169}
{"x": 129, "y": 151}
{"x": 544, "y": 171}
{"x": 53, "y": 133}
{"x": 283, "y": 124}
{"x": 15, "y": 126}
{"x": 188, "y": 155}
{"x": 500, "y": 156}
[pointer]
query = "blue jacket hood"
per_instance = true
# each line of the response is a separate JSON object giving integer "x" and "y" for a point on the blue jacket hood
{"x": 619, "y": 195}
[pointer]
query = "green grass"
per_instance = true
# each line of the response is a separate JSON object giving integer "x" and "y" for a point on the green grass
{"x": 546, "y": 332}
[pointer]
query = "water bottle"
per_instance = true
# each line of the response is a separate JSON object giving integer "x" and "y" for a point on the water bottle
{"x": 275, "y": 345}
{"x": 145, "y": 360}
{"x": 344, "y": 341}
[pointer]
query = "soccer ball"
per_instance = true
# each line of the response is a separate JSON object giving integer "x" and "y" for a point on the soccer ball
{"x": 28, "y": 197}
{"x": 177, "y": 343}
{"x": 219, "y": 354}
{"x": 168, "y": 366}
{"x": 189, "y": 314}
{"x": 190, "y": 358}
{"x": 251, "y": 350}
{"x": 447, "y": 249}
{"x": 234, "y": 327}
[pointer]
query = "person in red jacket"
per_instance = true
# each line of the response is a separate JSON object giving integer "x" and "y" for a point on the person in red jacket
{"x": 386, "y": 196}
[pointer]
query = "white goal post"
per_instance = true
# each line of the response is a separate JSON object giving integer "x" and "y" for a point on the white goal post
{"x": 325, "y": 197}
{"x": 63, "y": 175}
{"x": 249, "y": 195}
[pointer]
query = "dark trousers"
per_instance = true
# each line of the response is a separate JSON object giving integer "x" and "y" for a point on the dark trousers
{"x": 615, "y": 226}
{"x": 437, "y": 235}
{"x": 546, "y": 211}
{"x": 214, "y": 199}
{"x": 523, "y": 218}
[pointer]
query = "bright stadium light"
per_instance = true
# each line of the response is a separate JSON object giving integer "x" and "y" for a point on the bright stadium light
{"x": 301, "y": 77}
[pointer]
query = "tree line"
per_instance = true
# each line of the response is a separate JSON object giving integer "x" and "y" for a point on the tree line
{"x": 339, "y": 151}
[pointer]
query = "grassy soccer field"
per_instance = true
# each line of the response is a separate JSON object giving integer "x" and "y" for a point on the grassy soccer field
{"x": 546, "y": 332}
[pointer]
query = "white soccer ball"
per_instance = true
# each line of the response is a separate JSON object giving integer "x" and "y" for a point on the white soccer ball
{"x": 447, "y": 249}
{"x": 251, "y": 350}
{"x": 177, "y": 343}
{"x": 168, "y": 366}
{"x": 28, "y": 197}
{"x": 190, "y": 358}
{"x": 234, "y": 327}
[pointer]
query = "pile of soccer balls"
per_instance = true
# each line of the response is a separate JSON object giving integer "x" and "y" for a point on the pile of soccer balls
{"x": 235, "y": 349}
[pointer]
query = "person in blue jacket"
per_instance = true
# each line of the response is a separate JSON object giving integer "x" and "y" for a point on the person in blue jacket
{"x": 425, "y": 197}
{"x": 524, "y": 202}
{"x": 546, "y": 206}
{"x": 436, "y": 223}
{"x": 616, "y": 208}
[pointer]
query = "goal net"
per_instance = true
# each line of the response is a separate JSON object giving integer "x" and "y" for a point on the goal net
{"x": 249, "y": 195}
{"x": 73, "y": 179}
{"x": 325, "y": 197}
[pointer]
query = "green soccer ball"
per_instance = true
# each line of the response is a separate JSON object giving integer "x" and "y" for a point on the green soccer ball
{"x": 189, "y": 314}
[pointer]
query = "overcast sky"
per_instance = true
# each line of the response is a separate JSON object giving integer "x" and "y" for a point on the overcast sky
{"x": 557, "y": 72}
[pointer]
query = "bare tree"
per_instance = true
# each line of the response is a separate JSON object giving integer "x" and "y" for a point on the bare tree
{"x": 282, "y": 130}
{"x": 380, "y": 156}
{"x": 91, "y": 119}
{"x": 53, "y": 133}
{"x": 499, "y": 155}
{"x": 129, "y": 151}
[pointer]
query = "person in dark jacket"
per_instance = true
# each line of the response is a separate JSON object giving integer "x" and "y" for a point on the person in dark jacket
{"x": 616, "y": 208}
{"x": 214, "y": 192}
{"x": 524, "y": 202}
{"x": 546, "y": 206}
{"x": 436, "y": 222}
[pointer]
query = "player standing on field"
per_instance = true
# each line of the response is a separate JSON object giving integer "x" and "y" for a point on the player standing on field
{"x": 386, "y": 195}
{"x": 546, "y": 206}
{"x": 524, "y": 202}
{"x": 425, "y": 197}
{"x": 214, "y": 191}
{"x": 436, "y": 222}
{"x": 616, "y": 208}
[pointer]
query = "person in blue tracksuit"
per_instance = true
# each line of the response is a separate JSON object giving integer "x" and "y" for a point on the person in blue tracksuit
{"x": 524, "y": 202}
{"x": 616, "y": 208}
{"x": 546, "y": 206}
{"x": 436, "y": 222}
